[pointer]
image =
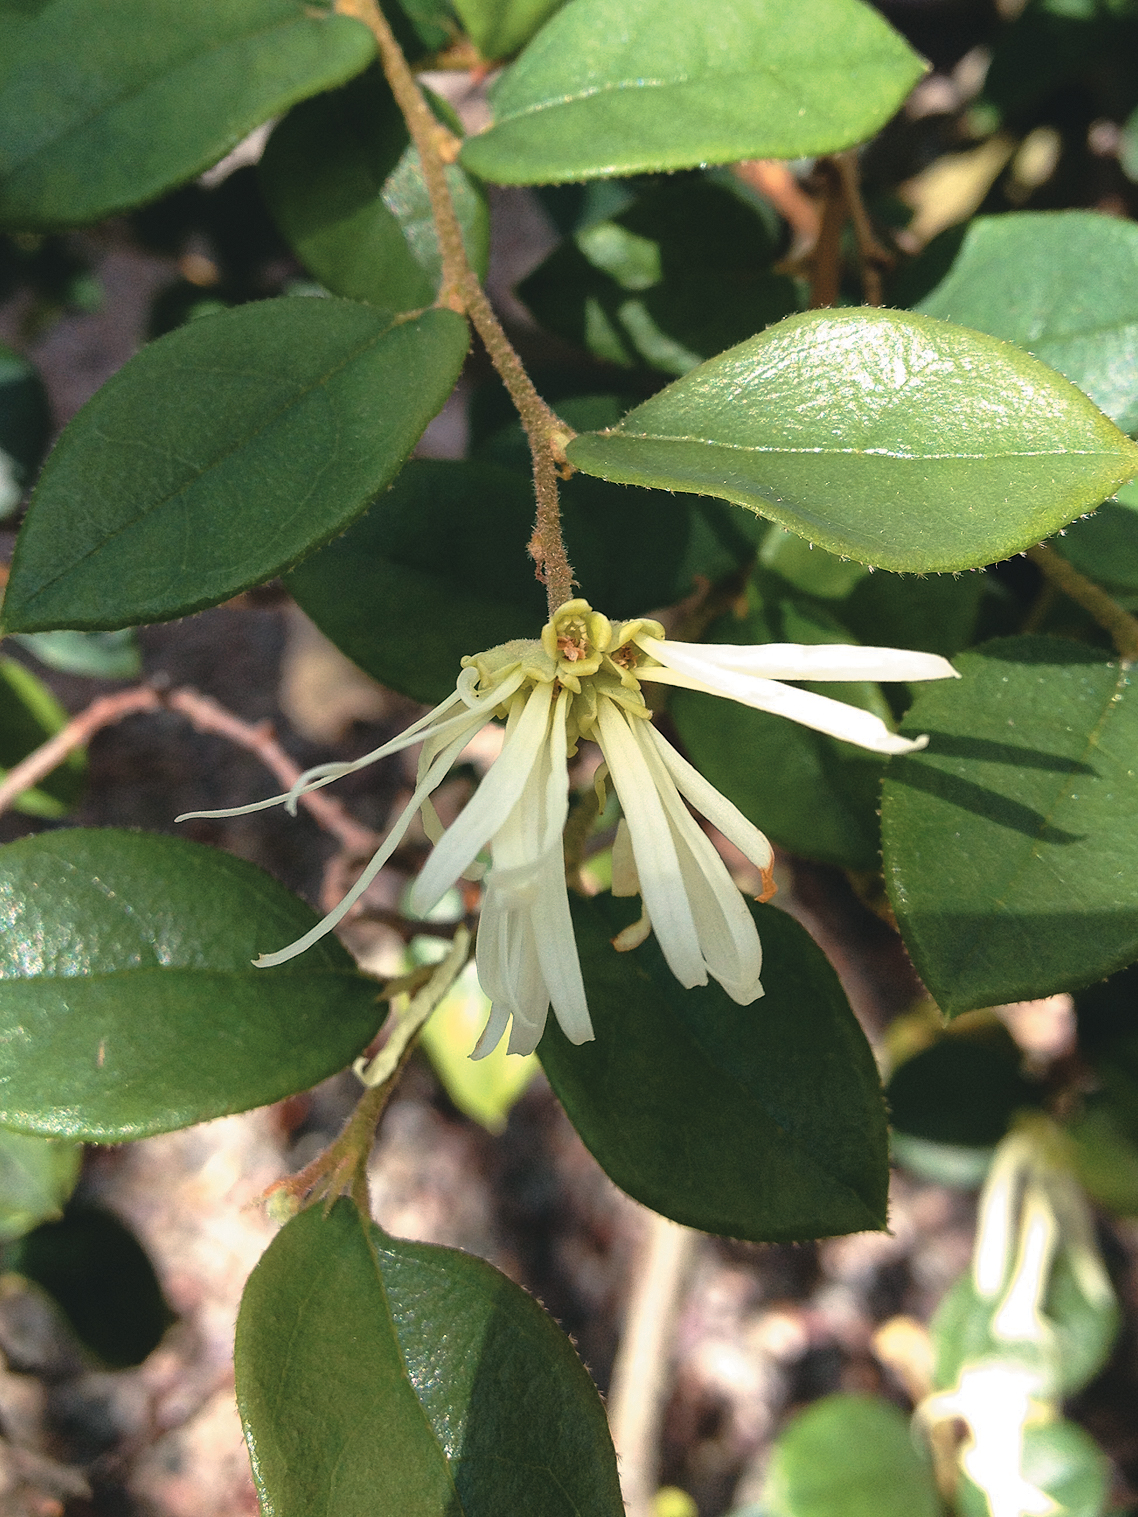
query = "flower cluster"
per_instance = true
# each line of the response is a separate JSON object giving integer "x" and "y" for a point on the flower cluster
{"x": 582, "y": 680}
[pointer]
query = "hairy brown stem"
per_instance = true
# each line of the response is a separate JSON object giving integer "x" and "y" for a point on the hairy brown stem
{"x": 1122, "y": 627}
{"x": 78, "y": 731}
{"x": 825, "y": 259}
{"x": 205, "y": 715}
{"x": 872, "y": 255}
{"x": 342, "y": 1167}
{"x": 461, "y": 291}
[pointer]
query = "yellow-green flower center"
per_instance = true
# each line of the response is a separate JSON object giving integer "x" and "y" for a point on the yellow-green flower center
{"x": 581, "y": 652}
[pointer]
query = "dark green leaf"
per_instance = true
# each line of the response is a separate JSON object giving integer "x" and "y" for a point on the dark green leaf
{"x": 130, "y": 1005}
{"x": 1010, "y": 841}
{"x": 429, "y": 25}
{"x": 677, "y": 277}
{"x": 762, "y": 1121}
{"x": 849, "y": 1456}
{"x": 1063, "y": 285}
{"x": 25, "y": 423}
{"x": 812, "y": 795}
{"x": 101, "y": 108}
{"x": 626, "y": 86}
{"x": 894, "y": 439}
{"x": 808, "y": 568}
{"x": 100, "y": 1275}
{"x": 407, "y": 613}
{"x": 348, "y": 194}
{"x": 500, "y": 27}
{"x": 36, "y": 1177}
{"x": 936, "y": 613}
{"x": 378, "y": 1378}
{"x": 958, "y": 1092}
{"x": 221, "y": 454}
{"x": 29, "y": 715}
{"x": 14, "y": 16}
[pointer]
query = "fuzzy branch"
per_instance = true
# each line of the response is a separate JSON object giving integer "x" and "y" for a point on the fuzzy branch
{"x": 461, "y": 291}
{"x": 1122, "y": 627}
{"x": 205, "y": 715}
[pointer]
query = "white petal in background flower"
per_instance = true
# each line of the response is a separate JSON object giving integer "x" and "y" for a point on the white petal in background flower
{"x": 569, "y": 683}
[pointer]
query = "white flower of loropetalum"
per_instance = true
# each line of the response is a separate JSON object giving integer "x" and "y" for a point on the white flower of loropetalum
{"x": 582, "y": 680}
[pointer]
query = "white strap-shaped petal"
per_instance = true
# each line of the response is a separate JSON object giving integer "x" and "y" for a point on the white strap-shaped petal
{"x": 491, "y": 803}
{"x": 509, "y": 971}
{"x": 835, "y": 718}
{"x": 661, "y": 880}
{"x": 557, "y": 951}
{"x": 324, "y": 774}
{"x": 806, "y": 661}
{"x": 728, "y": 939}
{"x": 718, "y": 810}
{"x": 534, "y": 827}
{"x": 429, "y": 782}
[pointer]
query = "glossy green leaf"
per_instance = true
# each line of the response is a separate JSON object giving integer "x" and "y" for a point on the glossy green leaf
{"x": 1063, "y": 285}
{"x": 675, "y": 278}
{"x": 29, "y": 715}
{"x": 130, "y": 1004}
{"x": 763, "y": 1122}
{"x": 849, "y": 1456}
{"x": 101, "y": 108}
{"x": 809, "y": 568}
{"x": 347, "y": 193}
{"x": 36, "y": 1177}
{"x": 897, "y": 440}
{"x": 499, "y": 28}
{"x": 631, "y": 86}
{"x": 379, "y": 1378}
{"x": 96, "y": 1270}
{"x": 1011, "y": 841}
{"x": 25, "y": 423}
{"x": 221, "y": 454}
{"x": 408, "y": 613}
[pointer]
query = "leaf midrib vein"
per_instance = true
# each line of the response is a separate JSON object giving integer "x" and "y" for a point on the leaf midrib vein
{"x": 136, "y": 92}
{"x": 243, "y": 442}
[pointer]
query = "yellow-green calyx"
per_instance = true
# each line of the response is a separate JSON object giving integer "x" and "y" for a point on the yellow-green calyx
{"x": 580, "y": 651}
